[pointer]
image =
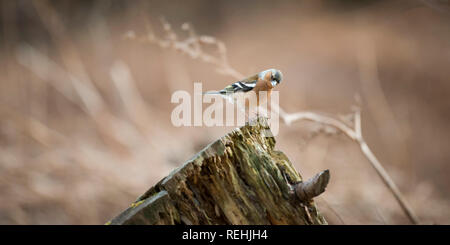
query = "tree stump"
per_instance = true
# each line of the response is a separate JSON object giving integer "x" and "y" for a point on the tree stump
{"x": 238, "y": 179}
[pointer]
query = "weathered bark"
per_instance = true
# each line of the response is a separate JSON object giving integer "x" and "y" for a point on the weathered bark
{"x": 239, "y": 179}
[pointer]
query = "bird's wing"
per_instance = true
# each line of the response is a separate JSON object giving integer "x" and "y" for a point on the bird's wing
{"x": 244, "y": 85}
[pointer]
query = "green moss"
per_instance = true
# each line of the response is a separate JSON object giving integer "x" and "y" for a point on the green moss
{"x": 135, "y": 204}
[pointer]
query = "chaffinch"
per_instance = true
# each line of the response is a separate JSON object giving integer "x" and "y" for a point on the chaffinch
{"x": 263, "y": 81}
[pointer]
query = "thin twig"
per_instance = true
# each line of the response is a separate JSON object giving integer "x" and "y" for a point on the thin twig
{"x": 329, "y": 206}
{"x": 73, "y": 69}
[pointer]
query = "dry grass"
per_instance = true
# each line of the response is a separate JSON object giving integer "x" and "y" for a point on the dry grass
{"x": 193, "y": 46}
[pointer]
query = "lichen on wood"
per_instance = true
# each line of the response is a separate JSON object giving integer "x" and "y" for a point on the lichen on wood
{"x": 238, "y": 179}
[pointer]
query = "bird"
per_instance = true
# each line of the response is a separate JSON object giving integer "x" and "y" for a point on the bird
{"x": 262, "y": 81}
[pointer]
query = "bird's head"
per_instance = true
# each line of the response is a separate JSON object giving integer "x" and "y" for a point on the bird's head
{"x": 275, "y": 76}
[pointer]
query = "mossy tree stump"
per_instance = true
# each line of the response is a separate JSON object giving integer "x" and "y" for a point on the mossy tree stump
{"x": 238, "y": 179}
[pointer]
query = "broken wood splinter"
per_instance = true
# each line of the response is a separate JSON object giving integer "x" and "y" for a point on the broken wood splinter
{"x": 307, "y": 190}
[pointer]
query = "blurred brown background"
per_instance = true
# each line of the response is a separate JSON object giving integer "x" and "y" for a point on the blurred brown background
{"x": 85, "y": 115}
